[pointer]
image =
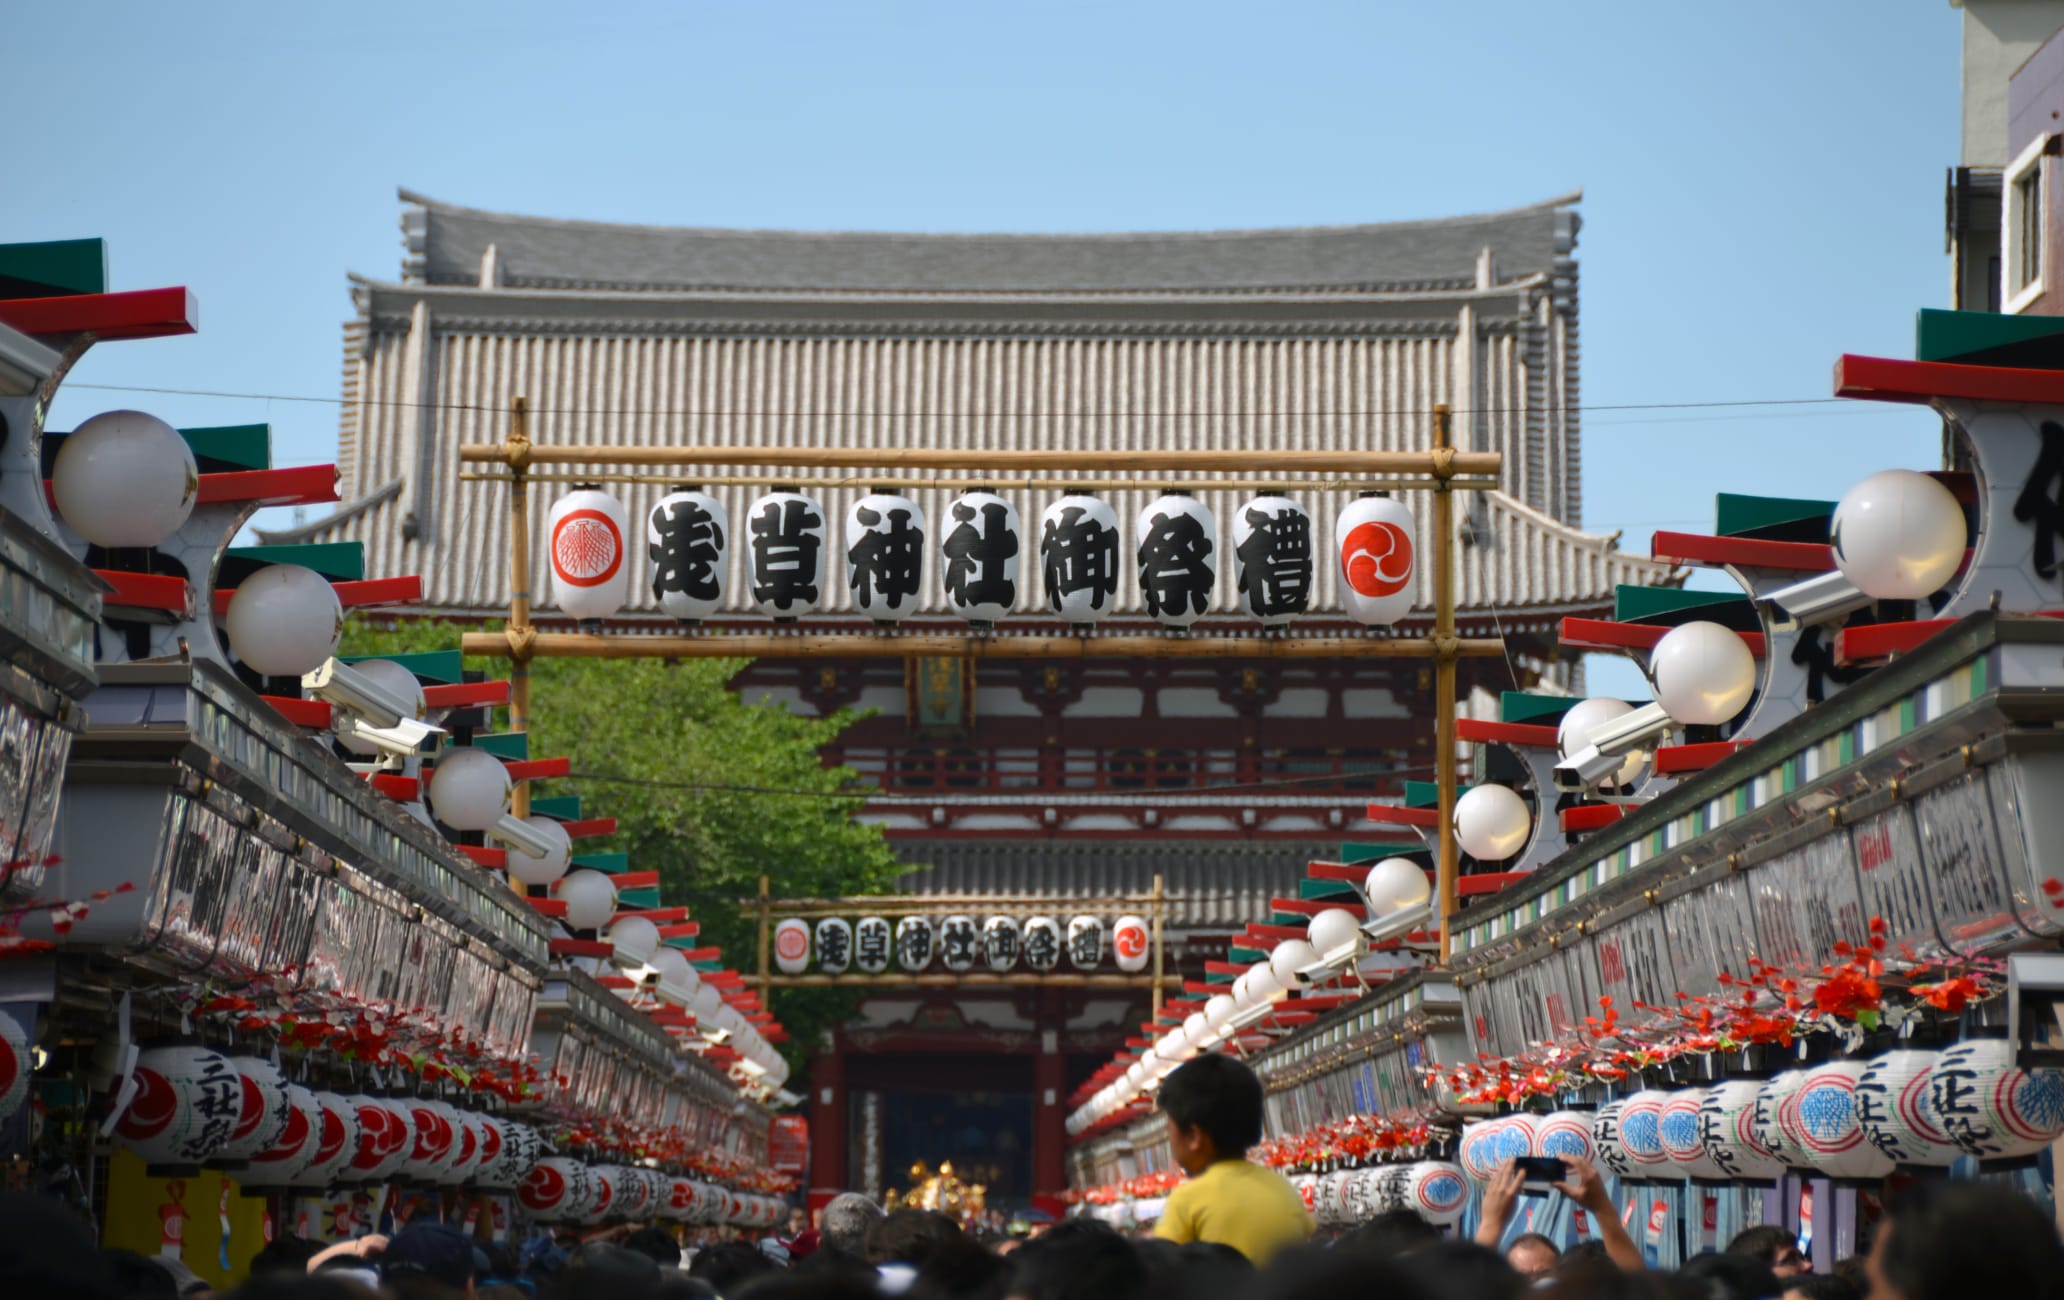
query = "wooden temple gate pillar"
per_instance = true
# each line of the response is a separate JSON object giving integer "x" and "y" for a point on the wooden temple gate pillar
{"x": 1050, "y": 1098}
{"x": 828, "y": 1108}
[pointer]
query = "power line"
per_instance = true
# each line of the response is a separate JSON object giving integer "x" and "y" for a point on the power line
{"x": 869, "y": 792}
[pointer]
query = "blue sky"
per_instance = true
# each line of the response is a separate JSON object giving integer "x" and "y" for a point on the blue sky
{"x": 1763, "y": 182}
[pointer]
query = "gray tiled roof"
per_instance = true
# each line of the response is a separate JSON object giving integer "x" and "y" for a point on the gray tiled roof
{"x": 446, "y": 244}
{"x": 1212, "y": 884}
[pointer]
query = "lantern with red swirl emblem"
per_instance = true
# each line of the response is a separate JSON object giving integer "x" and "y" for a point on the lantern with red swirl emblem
{"x": 336, "y": 1142}
{"x": 262, "y": 1112}
{"x": 293, "y": 1148}
{"x": 556, "y": 1189}
{"x": 1373, "y": 539}
{"x": 187, "y": 1103}
{"x": 14, "y": 1064}
{"x": 386, "y": 1136}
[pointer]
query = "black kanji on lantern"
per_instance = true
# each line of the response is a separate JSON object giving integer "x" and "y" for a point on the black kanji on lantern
{"x": 1079, "y": 554}
{"x": 871, "y": 939}
{"x": 958, "y": 940}
{"x": 2038, "y": 505}
{"x": 834, "y": 946}
{"x": 886, "y": 560}
{"x": 914, "y": 944}
{"x": 975, "y": 554}
{"x": 690, "y": 546}
{"x": 1042, "y": 946}
{"x": 784, "y": 553}
{"x": 1175, "y": 573}
{"x": 1276, "y": 562}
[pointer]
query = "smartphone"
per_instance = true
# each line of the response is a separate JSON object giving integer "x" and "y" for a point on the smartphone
{"x": 1539, "y": 1173}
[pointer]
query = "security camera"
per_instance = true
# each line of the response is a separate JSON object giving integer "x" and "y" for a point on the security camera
{"x": 1606, "y": 745}
{"x": 357, "y": 694}
{"x": 1821, "y": 599}
{"x": 400, "y": 740}
{"x": 521, "y": 836}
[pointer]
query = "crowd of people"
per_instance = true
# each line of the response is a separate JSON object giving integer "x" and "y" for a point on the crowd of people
{"x": 1233, "y": 1231}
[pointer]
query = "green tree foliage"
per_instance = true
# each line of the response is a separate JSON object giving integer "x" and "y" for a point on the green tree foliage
{"x": 708, "y": 789}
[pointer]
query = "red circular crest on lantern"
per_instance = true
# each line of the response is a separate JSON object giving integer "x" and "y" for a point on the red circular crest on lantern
{"x": 153, "y": 1108}
{"x": 250, "y": 1111}
{"x": 542, "y": 1189}
{"x": 434, "y": 1135}
{"x": 792, "y": 943}
{"x": 586, "y": 548}
{"x": 1377, "y": 558}
{"x": 1129, "y": 941}
{"x": 331, "y": 1140}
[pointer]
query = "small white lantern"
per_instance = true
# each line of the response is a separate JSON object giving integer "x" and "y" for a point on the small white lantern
{"x": 1438, "y": 1191}
{"x": 187, "y": 1103}
{"x": 785, "y": 555}
{"x": 874, "y": 942}
{"x": 263, "y": 1111}
{"x": 635, "y": 939}
{"x": 336, "y": 1146}
{"x": 1196, "y": 1029}
{"x": 1175, "y": 544}
{"x": 1085, "y": 942}
{"x": 1587, "y": 715}
{"x": 1492, "y": 822}
{"x": 1703, "y": 673}
{"x": 914, "y": 942}
{"x": 125, "y": 479}
{"x": 1333, "y": 929}
{"x": 1132, "y": 943}
{"x": 1273, "y": 558}
{"x": 1395, "y": 884}
{"x": 1564, "y": 1134}
{"x": 1991, "y": 1107}
{"x": 885, "y": 548}
{"x": 1519, "y": 1137}
{"x": 527, "y": 870}
{"x": 687, "y": 543}
{"x": 1288, "y": 958}
{"x": 1218, "y": 1011}
{"x": 1898, "y": 1117}
{"x": 1378, "y": 579}
{"x": 469, "y": 787}
{"x": 293, "y": 1148}
{"x": 585, "y": 541}
{"x": 1042, "y": 943}
{"x": 1078, "y": 558}
{"x": 590, "y": 898}
{"x": 1727, "y": 1129}
{"x": 434, "y": 1141}
{"x": 1898, "y": 535}
{"x": 1641, "y": 1133}
{"x": 960, "y": 943}
{"x": 792, "y": 946}
{"x": 980, "y": 552}
{"x": 284, "y": 620}
{"x": 1001, "y": 942}
{"x": 555, "y": 1189}
{"x": 834, "y": 945}
{"x": 396, "y": 681}
{"x": 1680, "y": 1134}
{"x": 1829, "y": 1127}
{"x": 678, "y": 978}
{"x": 1263, "y": 984}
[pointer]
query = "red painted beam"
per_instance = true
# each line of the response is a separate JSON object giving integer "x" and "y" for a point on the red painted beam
{"x": 1487, "y": 882}
{"x": 495, "y": 859}
{"x": 458, "y": 695}
{"x": 1203, "y": 988}
{"x": 589, "y": 828}
{"x": 1672, "y": 760}
{"x": 707, "y": 954}
{"x": 1292, "y": 1019}
{"x": 144, "y": 590}
{"x": 1322, "y": 1002}
{"x": 581, "y": 948}
{"x": 1480, "y": 731}
{"x": 1884, "y": 379}
{"x": 683, "y": 930}
{"x": 401, "y": 789}
{"x": 1591, "y": 817}
{"x": 1224, "y": 968}
{"x": 723, "y": 979}
{"x": 1391, "y": 814}
{"x": 300, "y": 712}
{"x": 1353, "y": 872}
{"x": 306, "y": 485}
{"x": 538, "y": 769}
{"x": 547, "y": 906}
{"x": 1270, "y": 935}
{"x": 136, "y": 314}
{"x": 616, "y": 981}
{"x": 1139, "y": 1044}
{"x": 636, "y": 880}
{"x": 660, "y": 915}
{"x": 1752, "y": 552}
{"x": 1314, "y": 906}
{"x": 1604, "y": 634}
{"x": 355, "y": 595}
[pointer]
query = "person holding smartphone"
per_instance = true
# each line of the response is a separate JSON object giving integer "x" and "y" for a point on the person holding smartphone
{"x": 1532, "y": 1254}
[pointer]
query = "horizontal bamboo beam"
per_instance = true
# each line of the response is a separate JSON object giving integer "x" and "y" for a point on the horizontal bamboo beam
{"x": 934, "y": 902}
{"x": 1435, "y": 464}
{"x": 1007, "y": 482}
{"x": 1026, "y": 979}
{"x": 865, "y": 645}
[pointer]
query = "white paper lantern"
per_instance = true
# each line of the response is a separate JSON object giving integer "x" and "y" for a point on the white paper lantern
{"x": 960, "y": 943}
{"x": 1333, "y": 929}
{"x": 1492, "y": 822}
{"x": 707, "y": 1004}
{"x": 792, "y": 946}
{"x": 294, "y": 1148}
{"x": 433, "y": 1141}
{"x": 1898, "y": 535}
{"x": 1773, "y": 1129}
{"x": 687, "y": 542}
{"x": 915, "y": 942}
{"x": 785, "y": 554}
{"x": 555, "y": 1189}
{"x": 15, "y": 1063}
{"x": 396, "y": 681}
{"x": 469, "y": 788}
{"x": 386, "y": 1135}
{"x": 496, "y": 1169}
{"x": 1273, "y": 558}
{"x": 1727, "y": 1130}
{"x": 834, "y": 945}
{"x": 1641, "y": 1133}
{"x": 1289, "y": 957}
{"x": 336, "y": 1145}
{"x": 1605, "y": 1134}
{"x": 468, "y": 1147}
{"x": 1333, "y": 1198}
{"x": 680, "y": 1201}
{"x": 678, "y": 978}
{"x": 1829, "y": 1128}
{"x": 1703, "y": 673}
{"x": 1680, "y": 1135}
{"x": 1395, "y": 884}
{"x": 980, "y": 554}
{"x": 1042, "y": 943}
{"x": 1991, "y": 1107}
{"x": 527, "y": 869}
{"x": 187, "y": 1103}
{"x": 1001, "y": 942}
{"x": 885, "y": 549}
{"x": 605, "y": 1187}
{"x": 1437, "y": 1190}
{"x": 1175, "y": 545}
{"x": 262, "y": 1113}
{"x": 874, "y": 942}
{"x": 1518, "y": 1137}
{"x": 1132, "y": 943}
{"x": 1197, "y": 1030}
{"x": 125, "y": 479}
{"x": 1262, "y": 984}
{"x": 1372, "y": 539}
{"x": 1218, "y": 1010}
{"x": 1078, "y": 558}
{"x": 284, "y": 620}
{"x": 590, "y": 898}
{"x": 1897, "y": 1113}
{"x": 1584, "y": 717}
{"x": 1085, "y": 942}
{"x": 634, "y": 939}
{"x": 584, "y": 539}
{"x": 1566, "y": 1134}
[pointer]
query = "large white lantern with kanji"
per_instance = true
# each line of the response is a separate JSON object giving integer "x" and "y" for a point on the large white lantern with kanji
{"x": 915, "y": 941}
{"x": 1681, "y": 1137}
{"x": 386, "y": 1136}
{"x": 687, "y": 544}
{"x": 1830, "y": 1128}
{"x": 1085, "y": 942}
{"x": 960, "y": 943}
{"x": 336, "y": 1146}
{"x": 834, "y": 945}
{"x": 1374, "y": 550}
{"x": 263, "y": 1110}
{"x": 885, "y": 549}
{"x": 1727, "y": 1130}
{"x": 1042, "y": 943}
{"x": 294, "y": 1147}
{"x": 1078, "y": 558}
{"x": 186, "y": 1105}
{"x": 1991, "y": 1107}
{"x": 784, "y": 555}
{"x": 980, "y": 550}
{"x": 1175, "y": 545}
{"x": 1001, "y": 941}
{"x": 1273, "y": 558}
{"x": 555, "y": 1189}
{"x": 584, "y": 541}
{"x": 1897, "y": 1114}
{"x": 874, "y": 942}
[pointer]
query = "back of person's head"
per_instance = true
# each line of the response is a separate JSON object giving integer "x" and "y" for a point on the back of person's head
{"x": 1076, "y": 1260}
{"x": 728, "y": 1264}
{"x": 1617, "y": 1284}
{"x": 308, "y": 1286}
{"x": 1392, "y": 1232}
{"x": 656, "y": 1244}
{"x": 1220, "y": 1095}
{"x": 1317, "y": 1273}
{"x": 1583, "y": 1256}
{"x": 602, "y": 1270}
{"x": 1731, "y": 1277}
{"x": 139, "y": 1278}
{"x": 808, "y": 1286}
{"x": 961, "y": 1270}
{"x": 848, "y": 1218}
{"x": 285, "y": 1253}
{"x": 1766, "y": 1242}
{"x": 1821, "y": 1286}
{"x": 1462, "y": 1270}
{"x": 676, "y": 1285}
{"x": 1532, "y": 1255}
{"x": 1948, "y": 1240}
{"x": 910, "y": 1237}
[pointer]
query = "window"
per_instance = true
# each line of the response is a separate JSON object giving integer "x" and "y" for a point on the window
{"x": 2025, "y": 226}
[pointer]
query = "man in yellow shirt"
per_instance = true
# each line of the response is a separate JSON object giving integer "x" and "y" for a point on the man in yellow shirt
{"x": 1214, "y": 1112}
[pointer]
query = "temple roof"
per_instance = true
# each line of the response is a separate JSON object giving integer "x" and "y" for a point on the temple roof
{"x": 448, "y": 244}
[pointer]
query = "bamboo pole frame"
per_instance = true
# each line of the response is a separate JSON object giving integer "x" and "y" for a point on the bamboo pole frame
{"x": 1440, "y": 463}
{"x": 869, "y": 644}
{"x": 1002, "y": 482}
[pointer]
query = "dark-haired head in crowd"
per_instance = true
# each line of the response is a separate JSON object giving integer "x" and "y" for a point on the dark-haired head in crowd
{"x": 1809, "y": 1287}
{"x": 1774, "y": 1246}
{"x": 848, "y": 1218}
{"x": 1075, "y": 1260}
{"x": 1392, "y": 1232}
{"x": 1533, "y": 1255}
{"x": 1950, "y": 1240}
{"x": 1463, "y": 1270}
{"x": 1731, "y": 1277}
{"x": 1214, "y": 1111}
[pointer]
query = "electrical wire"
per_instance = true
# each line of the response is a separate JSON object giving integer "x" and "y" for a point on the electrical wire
{"x": 868, "y": 792}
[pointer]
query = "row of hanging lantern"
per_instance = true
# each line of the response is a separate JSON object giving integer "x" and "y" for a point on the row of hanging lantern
{"x": 562, "y": 1190}
{"x": 959, "y": 943}
{"x": 1844, "y": 1119}
{"x": 1436, "y": 1190}
{"x": 688, "y": 538}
